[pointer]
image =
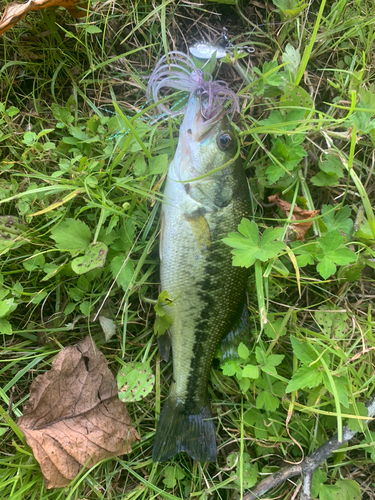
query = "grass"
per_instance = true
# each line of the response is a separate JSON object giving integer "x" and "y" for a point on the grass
{"x": 78, "y": 144}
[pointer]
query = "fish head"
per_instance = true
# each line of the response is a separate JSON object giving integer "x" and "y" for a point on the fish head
{"x": 204, "y": 143}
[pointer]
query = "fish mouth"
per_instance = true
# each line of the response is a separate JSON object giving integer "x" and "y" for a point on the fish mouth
{"x": 196, "y": 125}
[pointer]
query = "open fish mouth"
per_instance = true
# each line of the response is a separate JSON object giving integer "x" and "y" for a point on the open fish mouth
{"x": 195, "y": 125}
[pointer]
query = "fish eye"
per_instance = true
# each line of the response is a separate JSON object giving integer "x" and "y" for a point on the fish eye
{"x": 224, "y": 141}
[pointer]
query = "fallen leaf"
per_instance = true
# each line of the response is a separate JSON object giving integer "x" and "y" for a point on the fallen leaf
{"x": 15, "y": 11}
{"x": 74, "y": 417}
{"x": 298, "y": 214}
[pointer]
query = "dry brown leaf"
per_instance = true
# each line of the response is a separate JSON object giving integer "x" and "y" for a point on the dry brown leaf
{"x": 74, "y": 417}
{"x": 15, "y": 11}
{"x": 298, "y": 214}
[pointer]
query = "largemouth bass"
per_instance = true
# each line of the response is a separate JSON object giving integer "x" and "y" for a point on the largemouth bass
{"x": 196, "y": 270}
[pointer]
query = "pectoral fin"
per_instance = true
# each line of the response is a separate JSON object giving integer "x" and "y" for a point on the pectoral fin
{"x": 200, "y": 228}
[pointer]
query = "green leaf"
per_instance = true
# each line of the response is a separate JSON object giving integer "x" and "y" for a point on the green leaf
{"x": 93, "y": 29}
{"x": 5, "y": 327}
{"x": 303, "y": 351}
{"x": 306, "y": 376}
{"x": 331, "y": 164}
{"x": 6, "y": 307}
{"x": 12, "y": 111}
{"x": 95, "y": 257}
{"x": 250, "y": 371}
{"x": 319, "y": 477}
{"x": 275, "y": 359}
{"x": 247, "y": 246}
{"x": 135, "y": 381}
{"x": 267, "y": 401}
{"x": 158, "y": 164}
{"x": 162, "y": 323}
{"x": 348, "y": 490}
{"x": 35, "y": 262}
{"x": 62, "y": 114}
{"x": 122, "y": 273}
{"x": 71, "y": 235}
{"x": 292, "y": 58}
{"x": 272, "y": 328}
{"x": 162, "y": 299}
{"x": 326, "y": 267}
{"x": 243, "y": 351}
{"x": 341, "y": 385}
{"x": 357, "y": 425}
{"x": 244, "y": 384}
{"x": 170, "y": 477}
{"x": 323, "y": 179}
{"x": 339, "y": 219}
{"x": 255, "y": 419}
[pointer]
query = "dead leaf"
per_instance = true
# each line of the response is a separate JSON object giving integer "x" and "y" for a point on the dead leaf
{"x": 298, "y": 214}
{"x": 74, "y": 417}
{"x": 15, "y": 11}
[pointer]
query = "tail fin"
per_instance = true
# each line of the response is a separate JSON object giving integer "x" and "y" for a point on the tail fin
{"x": 182, "y": 429}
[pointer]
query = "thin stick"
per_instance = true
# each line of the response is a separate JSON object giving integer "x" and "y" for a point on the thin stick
{"x": 307, "y": 467}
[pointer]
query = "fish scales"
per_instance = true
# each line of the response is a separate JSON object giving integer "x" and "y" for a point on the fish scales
{"x": 197, "y": 272}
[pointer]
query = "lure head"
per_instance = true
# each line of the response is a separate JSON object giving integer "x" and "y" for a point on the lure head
{"x": 204, "y": 143}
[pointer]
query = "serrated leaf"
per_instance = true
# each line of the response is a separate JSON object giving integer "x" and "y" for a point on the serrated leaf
{"x": 275, "y": 359}
{"x": 62, "y": 114}
{"x": 250, "y": 371}
{"x": 323, "y": 179}
{"x": 348, "y": 490}
{"x": 122, "y": 273}
{"x": 306, "y": 376}
{"x": 303, "y": 351}
{"x": 292, "y": 58}
{"x": 95, "y": 257}
{"x": 243, "y": 351}
{"x": 267, "y": 401}
{"x": 230, "y": 368}
{"x": 71, "y": 235}
{"x": 162, "y": 323}
{"x": 337, "y": 220}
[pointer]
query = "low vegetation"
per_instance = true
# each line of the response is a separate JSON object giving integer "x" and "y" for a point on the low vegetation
{"x": 82, "y": 165}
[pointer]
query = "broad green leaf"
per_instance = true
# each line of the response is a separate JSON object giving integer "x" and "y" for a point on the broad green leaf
{"x": 341, "y": 385}
{"x": 319, "y": 477}
{"x": 331, "y": 164}
{"x": 229, "y": 368}
{"x": 339, "y": 219}
{"x": 5, "y": 327}
{"x": 135, "y": 381}
{"x": 158, "y": 165}
{"x": 267, "y": 401}
{"x": 93, "y": 29}
{"x": 35, "y": 262}
{"x": 250, "y": 371}
{"x": 306, "y": 376}
{"x": 303, "y": 351}
{"x": 326, "y": 268}
{"x": 122, "y": 273}
{"x": 95, "y": 257}
{"x": 250, "y": 230}
{"x": 244, "y": 384}
{"x": 357, "y": 425}
{"x": 243, "y": 351}
{"x": 292, "y": 58}
{"x": 71, "y": 235}
{"x": 163, "y": 298}
{"x": 348, "y": 490}
{"x": 6, "y": 307}
{"x": 275, "y": 359}
{"x": 162, "y": 323}
{"x": 324, "y": 179}
{"x": 62, "y": 114}
{"x": 255, "y": 418}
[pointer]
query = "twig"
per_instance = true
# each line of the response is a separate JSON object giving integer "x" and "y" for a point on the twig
{"x": 307, "y": 467}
